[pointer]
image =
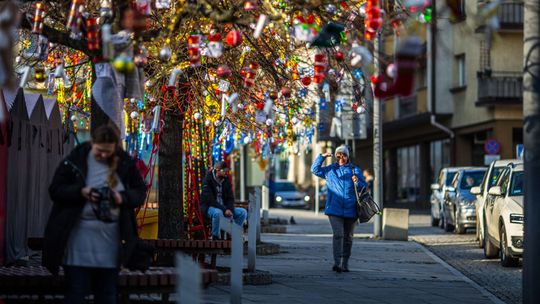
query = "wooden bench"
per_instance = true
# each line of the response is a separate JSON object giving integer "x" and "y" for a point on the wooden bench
{"x": 26, "y": 281}
{"x": 167, "y": 248}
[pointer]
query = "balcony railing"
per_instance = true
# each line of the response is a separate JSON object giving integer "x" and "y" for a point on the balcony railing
{"x": 510, "y": 15}
{"x": 502, "y": 88}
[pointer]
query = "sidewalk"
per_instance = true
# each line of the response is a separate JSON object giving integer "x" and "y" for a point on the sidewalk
{"x": 381, "y": 271}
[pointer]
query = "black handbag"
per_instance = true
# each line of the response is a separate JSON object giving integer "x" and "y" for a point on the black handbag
{"x": 366, "y": 207}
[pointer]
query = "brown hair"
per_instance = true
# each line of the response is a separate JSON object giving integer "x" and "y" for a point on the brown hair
{"x": 108, "y": 134}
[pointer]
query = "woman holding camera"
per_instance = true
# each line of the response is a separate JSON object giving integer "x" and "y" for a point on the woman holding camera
{"x": 92, "y": 229}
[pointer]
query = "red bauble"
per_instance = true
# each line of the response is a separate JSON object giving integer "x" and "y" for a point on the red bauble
{"x": 318, "y": 78}
{"x": 214, "y": 37}
{"x": 340, "y": 56}
{"x": 223, "y": 71}
{"x": 286, "y": 92}
{"x": 306, "y": 80}
{"x": 259, "y": 105}
{"x": 234, "y": 38}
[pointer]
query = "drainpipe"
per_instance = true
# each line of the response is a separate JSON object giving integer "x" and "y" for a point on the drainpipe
{"x": 431, "y": 58}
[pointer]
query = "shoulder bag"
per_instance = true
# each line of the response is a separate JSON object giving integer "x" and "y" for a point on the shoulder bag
{"x": 365, "y": 205}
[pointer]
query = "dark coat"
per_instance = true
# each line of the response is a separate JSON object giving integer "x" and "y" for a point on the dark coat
{"x": 209, "y": 193}
{"x": 65, "y": 192}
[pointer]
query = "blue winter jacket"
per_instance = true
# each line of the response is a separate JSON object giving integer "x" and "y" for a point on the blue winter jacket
{"x": 341, "y": 200}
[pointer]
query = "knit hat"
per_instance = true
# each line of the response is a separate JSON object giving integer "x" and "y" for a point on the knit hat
{"x": 342, "y": 149}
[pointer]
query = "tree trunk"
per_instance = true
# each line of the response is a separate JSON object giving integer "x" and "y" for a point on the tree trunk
{"x": 171, "y": 215}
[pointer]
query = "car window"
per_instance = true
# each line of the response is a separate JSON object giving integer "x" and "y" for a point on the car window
{"x": 503, "y": 180}
{"x": 449, "y": 178}
{"x": 285, "y": 187}
{"x": 471, "y": 179}
{"x": 516, "y": 187}
{"x": 495, "y": 173}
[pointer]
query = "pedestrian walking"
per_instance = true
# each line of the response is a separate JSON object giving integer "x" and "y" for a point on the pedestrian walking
{"x": 92, "y": 230}
{"x": 217, "y": 198}
{"x": 341, "y": 202}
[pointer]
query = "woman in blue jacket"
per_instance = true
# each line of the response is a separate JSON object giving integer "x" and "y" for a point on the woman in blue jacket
{"x": 341, "y": 202}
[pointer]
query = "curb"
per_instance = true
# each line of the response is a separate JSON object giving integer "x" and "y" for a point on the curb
{"x": 457, "y": 273}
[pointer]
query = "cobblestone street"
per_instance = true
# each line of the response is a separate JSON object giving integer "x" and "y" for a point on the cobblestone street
{"x": 463, "y": 253}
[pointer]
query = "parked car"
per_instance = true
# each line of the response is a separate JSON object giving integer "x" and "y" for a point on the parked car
{"x": 285, "y": 194}
{"x": 438, "y": 191}
{"x": 481, "y": 192}
{"x": 503, "y": 225}
{"x": 459, "y": 208}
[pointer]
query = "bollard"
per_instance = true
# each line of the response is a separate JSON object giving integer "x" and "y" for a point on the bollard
{"x": 189, "y": 285}
{"x": 237, "y": 252}
{"x": 395, "y": 225}
{"x": 254, "y": 218}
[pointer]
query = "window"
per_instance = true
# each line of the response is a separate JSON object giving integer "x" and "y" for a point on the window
{"x": 471, "y": 179}
{"x": 458, "y": 10}
{"x": 461, "y": 71}
{"x": 517, "y": 184}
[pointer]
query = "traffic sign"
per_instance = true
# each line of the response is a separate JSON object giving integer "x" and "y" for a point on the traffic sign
{"x": 519, "y": 151}
{"x": 492, "y": 146}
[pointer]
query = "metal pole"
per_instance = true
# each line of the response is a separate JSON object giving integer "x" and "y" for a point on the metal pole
{"x": 531, "y": 139}
{"x": 243, "y": 173}
{"x": 316, "y": 154}
{"x": 377, "y": 147}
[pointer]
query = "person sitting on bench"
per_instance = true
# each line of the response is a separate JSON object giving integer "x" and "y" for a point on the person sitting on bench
{"x": 217, "y": 198}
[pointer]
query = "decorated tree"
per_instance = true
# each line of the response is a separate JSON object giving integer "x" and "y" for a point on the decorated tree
{"x": 201, "y": 78}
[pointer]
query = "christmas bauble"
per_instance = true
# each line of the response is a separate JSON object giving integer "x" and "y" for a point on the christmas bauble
{"x": 223, "y": 71}
{"x": 123, "y": 64}
{"x": 165, "y": 54}
{"x": 273, "y": 95}
{"x": 340, "y": 56}
{"x": 234, "y": 38}
{"x": 306, "y": 80}
{"x": 41, "y": 76}
{"x": 286, "y": 92}
{"x": 197, "y": 116}
{"x": 134, "y": 115}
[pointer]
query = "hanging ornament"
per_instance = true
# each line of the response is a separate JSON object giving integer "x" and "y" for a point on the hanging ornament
{"x": 250, "y": 5}
{"x": 163, "y": 4}
{"x": 75, "y": 12}
{"x": 339, "y": 56}
{"x": 391, "y": 70}
{"x": 40, "y": 74}
{"x": 173, "y": 77}
{"x": 92, "y": 34}
{"x": 234, "y": 38}
{"x": 373, "y": 20}
{"x": 123, "y": 64}
{"x": 214, "y": 46}
{"x": 74, "y": 118}
{"x": 193, "y": 50}
{"x": 39, "y": 15}
{"x": 261, "y": 22}
{"x": 360, "y": 55}
{"x": 141, "y": 58}
{"x": 305, "y": 30}
{"x": 106, "y": 42}
{"x": 223, "y": 71}
{"x": 269, "y": 122}
{"x": 134, "y": 115}
{"x": 207, "y": 123}
{"x": 165, "y": 53}
{"x": 143, "y": 7}
{"x": 286, "y": 92}
{"x": 197, "y": 116}
{"x": 251, "y": 73}
{"x": 273, "y": 95}
{"x": 105, "y": 9}
{"x": 361, "y": 109}
{"x": 319, "y": 68}
{"x": 306, "y": 80}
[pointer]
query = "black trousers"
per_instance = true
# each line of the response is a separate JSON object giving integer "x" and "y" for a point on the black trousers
{"x": 81, "y": 281}
{"x": 343, "y": 230}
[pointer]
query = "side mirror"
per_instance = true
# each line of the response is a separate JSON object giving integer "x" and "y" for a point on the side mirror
{"x": 475, "y": 190}
{"x": 496, "y": 190}
{"x": 435, "y": 187}
{"x": 450, "y": 189}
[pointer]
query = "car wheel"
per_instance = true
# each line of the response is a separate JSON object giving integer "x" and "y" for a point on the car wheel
{"x": 506, "y": 259}
{"x": 490, "y": 251}
{"x": 459, "y": 228}
{"x": 434, "y": 222}
{"x": 480, "y": 234}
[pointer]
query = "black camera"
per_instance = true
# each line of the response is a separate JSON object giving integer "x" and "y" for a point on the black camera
{"x": 104, "y": 204}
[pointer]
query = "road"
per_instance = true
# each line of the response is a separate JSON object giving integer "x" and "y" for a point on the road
{"x": 462, "y": 252}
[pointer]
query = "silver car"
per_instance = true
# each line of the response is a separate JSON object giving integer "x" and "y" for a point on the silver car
{"x": 459, "y": 202}
{"x": 438, "y": 191}
{"x": 285, "y": 194}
